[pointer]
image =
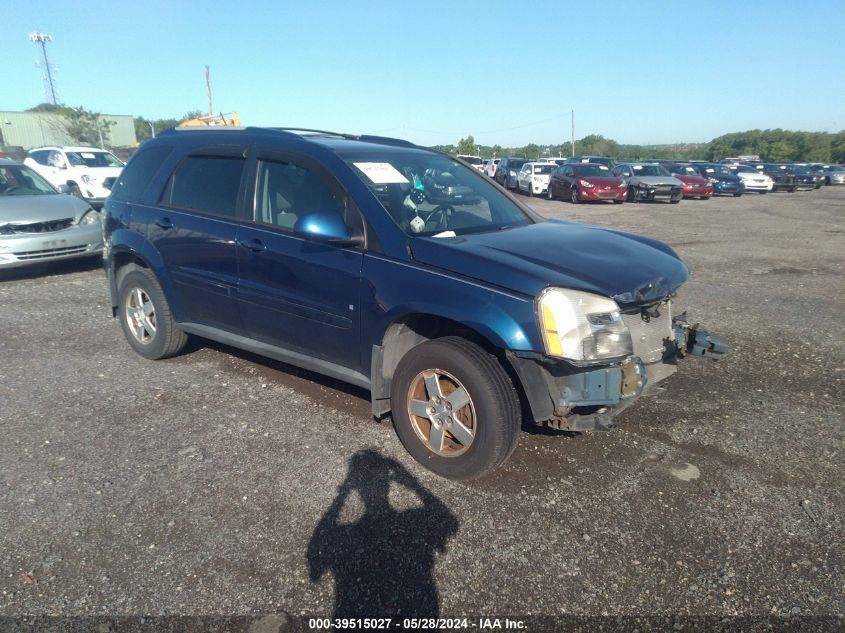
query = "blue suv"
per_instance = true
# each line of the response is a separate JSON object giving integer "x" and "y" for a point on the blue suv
{"x": 400, "y": 270}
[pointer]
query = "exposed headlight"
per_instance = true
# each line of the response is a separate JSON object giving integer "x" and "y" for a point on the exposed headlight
{"x": 585, "y": 183}
{"x": 90, "y": 217}
{"x": 581, "y": 326}
{"x": 512, "y": 174}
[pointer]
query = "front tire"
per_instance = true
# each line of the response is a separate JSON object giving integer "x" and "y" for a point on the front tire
{"x": 454, "y": 408}
{"x": 146, "y": 318}
{"x": 573, "y": 195}
{"x": 632, "y": 195}
{"x": 549, "y": 194}
{"x": 75, "y": 191}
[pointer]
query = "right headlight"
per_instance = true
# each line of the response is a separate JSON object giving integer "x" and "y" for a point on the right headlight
{"x": 582, "y": 327}
{"x": 90, "y": 217}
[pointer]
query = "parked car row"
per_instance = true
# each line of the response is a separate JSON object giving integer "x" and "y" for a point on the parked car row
{"x": 599, "y": 178}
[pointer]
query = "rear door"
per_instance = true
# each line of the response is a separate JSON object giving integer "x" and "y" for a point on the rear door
{"x": 194, "y": 228}
{"x": 294, "y": 292}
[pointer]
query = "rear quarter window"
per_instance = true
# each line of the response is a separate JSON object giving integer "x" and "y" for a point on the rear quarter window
{"x": 208, "y": 184}
{"x": 135, "y": 177}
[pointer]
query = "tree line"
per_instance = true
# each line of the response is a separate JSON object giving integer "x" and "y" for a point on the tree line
{"x": 89, "y": 128}
{"x": 775, "y": 145}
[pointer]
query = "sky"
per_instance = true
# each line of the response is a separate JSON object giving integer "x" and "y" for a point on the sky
{"x": 505, "y": 72}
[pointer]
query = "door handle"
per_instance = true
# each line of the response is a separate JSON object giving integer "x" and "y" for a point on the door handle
{"x": 164, "y": 223}
{"x": 255, "y": 245}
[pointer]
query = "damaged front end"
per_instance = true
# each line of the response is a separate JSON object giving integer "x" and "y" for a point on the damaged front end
{"x": 586, "y": 395}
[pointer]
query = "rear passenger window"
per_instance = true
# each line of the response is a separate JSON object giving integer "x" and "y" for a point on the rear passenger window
{"x": 206, "y": 183}
{"x": 135, "y": 177}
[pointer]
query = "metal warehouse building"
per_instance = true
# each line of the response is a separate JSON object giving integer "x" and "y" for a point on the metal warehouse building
{"x": 34, "y": 129}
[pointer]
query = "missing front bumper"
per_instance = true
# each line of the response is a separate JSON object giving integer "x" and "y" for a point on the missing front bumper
{"x": 572, "y": 398}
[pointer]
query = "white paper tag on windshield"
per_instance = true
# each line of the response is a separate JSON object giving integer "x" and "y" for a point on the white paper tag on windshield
{"x": 87, "y": 155}
{"x": 381, "y": 173}
{"x": 445, "y": 234}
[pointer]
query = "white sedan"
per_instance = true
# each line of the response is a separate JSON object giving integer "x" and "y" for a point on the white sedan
{"x": 754, "y": 179}
{"x": 533, "y": 178}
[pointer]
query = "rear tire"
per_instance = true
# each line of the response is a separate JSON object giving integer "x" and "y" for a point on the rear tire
{"x": 486, "y": 414}
{"x": 146, "y": 318}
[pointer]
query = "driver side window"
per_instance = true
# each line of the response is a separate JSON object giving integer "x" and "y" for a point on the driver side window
{"x": 285, "y": 192}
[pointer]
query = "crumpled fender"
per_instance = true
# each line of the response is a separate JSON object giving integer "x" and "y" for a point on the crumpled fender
{"x": 693, "y": 340}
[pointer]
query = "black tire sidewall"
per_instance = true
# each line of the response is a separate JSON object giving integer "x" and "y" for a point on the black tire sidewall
{"x": 490, "y": 445}
{"x": 142, "y": 279}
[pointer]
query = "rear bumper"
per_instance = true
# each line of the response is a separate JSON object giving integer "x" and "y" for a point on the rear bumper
{"x": 587, "y": 399}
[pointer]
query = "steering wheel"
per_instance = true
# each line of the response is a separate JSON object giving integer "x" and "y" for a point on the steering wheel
{"x": 442, "y": 211}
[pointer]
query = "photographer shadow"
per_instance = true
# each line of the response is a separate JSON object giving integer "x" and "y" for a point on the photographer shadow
{"x": 383, "y": 563}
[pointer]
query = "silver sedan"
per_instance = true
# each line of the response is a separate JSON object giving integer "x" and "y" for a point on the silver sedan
{"x": 39, "y": 224}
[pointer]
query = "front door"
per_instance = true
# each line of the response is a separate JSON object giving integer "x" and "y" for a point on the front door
{"x": 294, "y": 292}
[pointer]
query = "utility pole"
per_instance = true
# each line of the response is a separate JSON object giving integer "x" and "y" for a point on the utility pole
{"x": 208, "y": 88}
{"x": 43, "y": 38}
{"x": 573, "y": 132}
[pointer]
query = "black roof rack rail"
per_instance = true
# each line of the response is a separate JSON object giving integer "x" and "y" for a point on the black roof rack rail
{"x": 198, "y": 128}
{"x": 294, "y": 130}
{"x": 366, "y": 138}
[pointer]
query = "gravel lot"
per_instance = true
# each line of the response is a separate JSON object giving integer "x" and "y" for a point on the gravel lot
{"x": 216, "y": 482}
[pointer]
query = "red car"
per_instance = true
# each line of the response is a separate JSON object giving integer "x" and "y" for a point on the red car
{"x": 694, "y": 185}
{"x": 580, "y": 182}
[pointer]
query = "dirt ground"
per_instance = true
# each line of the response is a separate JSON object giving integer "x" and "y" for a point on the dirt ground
{"x": 220, "y": 483}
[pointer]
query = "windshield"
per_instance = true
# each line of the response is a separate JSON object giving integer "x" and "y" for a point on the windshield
{"x": 746, "y": 169}
{"x": 650, "y": 170}
{"x": 93, "y": 159}
{"x": 591, "y": 170}
{"x": 427, "y": 194}
{"x": 20, "y": 180}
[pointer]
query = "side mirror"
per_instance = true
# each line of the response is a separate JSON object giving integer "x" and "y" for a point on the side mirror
{"x": 63, "y": 188}
{"x": 327, "y": 227}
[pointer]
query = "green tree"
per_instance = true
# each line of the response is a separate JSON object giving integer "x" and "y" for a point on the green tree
{"x": 84, "y": 127}
{"x": 467, "y": 146}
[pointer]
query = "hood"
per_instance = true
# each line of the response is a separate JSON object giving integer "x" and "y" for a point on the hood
{"x": 100, "y": 173}
{"x": 724, "y": 177}
{"x": 603, "y": 181}
{"x": 630, "y": 268}
{"x": 40, "y": 208}
{"x": 691, "y": 180}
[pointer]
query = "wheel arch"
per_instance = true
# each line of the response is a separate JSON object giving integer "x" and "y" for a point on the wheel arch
{"x": 407, "y": 332}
